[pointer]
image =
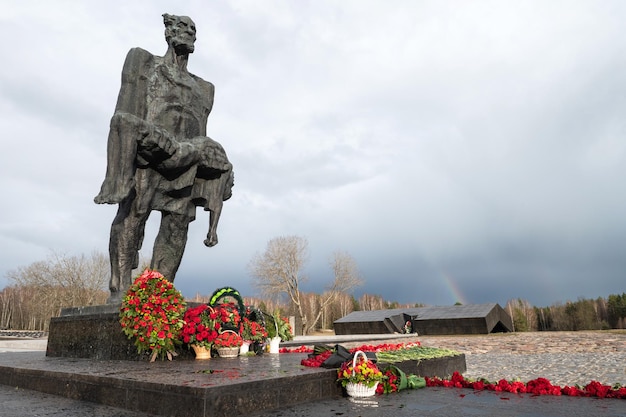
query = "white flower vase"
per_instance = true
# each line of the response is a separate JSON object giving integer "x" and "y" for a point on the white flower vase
{"x": 245, "y": 347}
{"x": 275, "y": 345}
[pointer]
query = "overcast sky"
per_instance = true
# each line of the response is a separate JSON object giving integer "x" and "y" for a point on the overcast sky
{"x": 459, "y": 151}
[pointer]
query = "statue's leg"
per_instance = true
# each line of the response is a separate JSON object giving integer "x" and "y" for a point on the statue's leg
{"x": 214, "y": 218}
{"x": 124, "y": 132}
{"x": 126, "y": 233}
{"x": 219, "y": 192}
{"x": 169, "y": 244}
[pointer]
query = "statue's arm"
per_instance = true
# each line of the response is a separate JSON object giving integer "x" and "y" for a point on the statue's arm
{"x": 134, "y": 90}
{"x": 127, "y": 126}
{"x": 208, "y": 94}
{"x": 157, "y": 146}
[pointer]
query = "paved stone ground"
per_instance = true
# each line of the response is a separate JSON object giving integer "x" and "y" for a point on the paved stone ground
{"x": 16, "y": 402}
{"x": 449, "y": 402}
{"x": 566, "y": 358}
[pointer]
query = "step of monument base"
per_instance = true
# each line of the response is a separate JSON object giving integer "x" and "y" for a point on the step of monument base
{"x": 214, "y": 387}
{"x": 89, "y": 358}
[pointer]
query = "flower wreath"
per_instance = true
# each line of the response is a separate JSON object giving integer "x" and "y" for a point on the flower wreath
{"x": 229, "y": 312}
{"x": 152, "y": 313}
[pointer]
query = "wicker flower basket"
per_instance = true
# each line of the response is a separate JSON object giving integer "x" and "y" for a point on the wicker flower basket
{"x": 228, "y": 352}
{"x": 360, "y": 390}
{"x": 201, "y": 352}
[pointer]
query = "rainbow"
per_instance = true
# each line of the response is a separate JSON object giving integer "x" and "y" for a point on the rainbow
{"x": 453, "y": 288}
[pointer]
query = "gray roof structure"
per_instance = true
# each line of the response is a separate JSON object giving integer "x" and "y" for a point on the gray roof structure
{"x": 458, "y": 319}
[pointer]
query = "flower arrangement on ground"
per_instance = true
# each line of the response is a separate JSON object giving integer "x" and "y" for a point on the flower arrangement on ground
{"x": 278, "y": 326}
{"x": 152, "y": 313}
{"x": 361, "y": 371}
{"x": 392, "y": 380}
{"x": 228, "y": 315}
{"x": 252, "y": 331}
{"x": 395, "y": 379}
{"x": 228, "y": 339}
{"x": 408, "y": 327}
{"x": 201, "y": 326}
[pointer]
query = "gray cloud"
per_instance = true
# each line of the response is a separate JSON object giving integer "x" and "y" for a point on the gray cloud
{"x": 456, "y": 150}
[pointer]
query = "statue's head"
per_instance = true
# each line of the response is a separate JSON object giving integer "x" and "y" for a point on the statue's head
{"x": 180, "y": 33}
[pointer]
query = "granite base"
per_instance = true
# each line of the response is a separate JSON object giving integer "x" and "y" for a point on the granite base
{"x": 93, "y": 332}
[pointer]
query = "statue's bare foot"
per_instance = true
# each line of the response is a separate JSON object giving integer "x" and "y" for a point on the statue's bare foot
{"x": 115, "y": 297}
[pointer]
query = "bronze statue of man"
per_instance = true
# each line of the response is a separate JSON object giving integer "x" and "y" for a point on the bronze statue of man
{"x": 159, "y": 157}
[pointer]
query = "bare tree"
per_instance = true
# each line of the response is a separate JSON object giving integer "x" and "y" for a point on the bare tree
{"x": 310, "y": 306}
{"x": 278, "y": 271}
{"x": 7, "y": 306}
{"x": 42, "y": 288}
{"x": 346, "y": 278}
{"x": 343, "y": 306}
{"x": 523, "y": 314}
{"x": 370, "y": 302}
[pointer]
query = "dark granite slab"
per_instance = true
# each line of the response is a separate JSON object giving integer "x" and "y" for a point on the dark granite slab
{"x": 216, "y": 387}
{"x": 89, "y": 358}
{"x": 433, "y": 320}
{"x": 93, "y": 332}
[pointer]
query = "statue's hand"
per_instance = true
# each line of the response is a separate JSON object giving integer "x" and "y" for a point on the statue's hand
{"x": 154, "y": 141}
{"x": 212, "y": 156}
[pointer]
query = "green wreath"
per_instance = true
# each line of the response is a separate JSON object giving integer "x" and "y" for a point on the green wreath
{"x": 224, "y": 292}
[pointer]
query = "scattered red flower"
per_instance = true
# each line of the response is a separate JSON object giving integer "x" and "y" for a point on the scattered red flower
{"x": 539, "y": 386}
{"x": 301, "y": 349}
{"x": 317, "y": 360}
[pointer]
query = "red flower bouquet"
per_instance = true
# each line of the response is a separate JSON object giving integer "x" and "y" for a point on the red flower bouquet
{"x": 228, "y": 339}
{"x": 201, "y": 326}
{"x": 152, "y": 314}
{"x": 395, "y": 379}
{"x": 228, "y": 315}
{"x": 252, "y": 331}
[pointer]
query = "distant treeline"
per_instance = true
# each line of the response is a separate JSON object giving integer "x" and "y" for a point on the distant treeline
{"x": 41, "y": 289}
{"x": 27, "y": 305}
{"x": 583, "y": 314}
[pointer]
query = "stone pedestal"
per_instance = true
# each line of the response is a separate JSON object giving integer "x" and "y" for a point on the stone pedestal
{"x": 93, "y": 332}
